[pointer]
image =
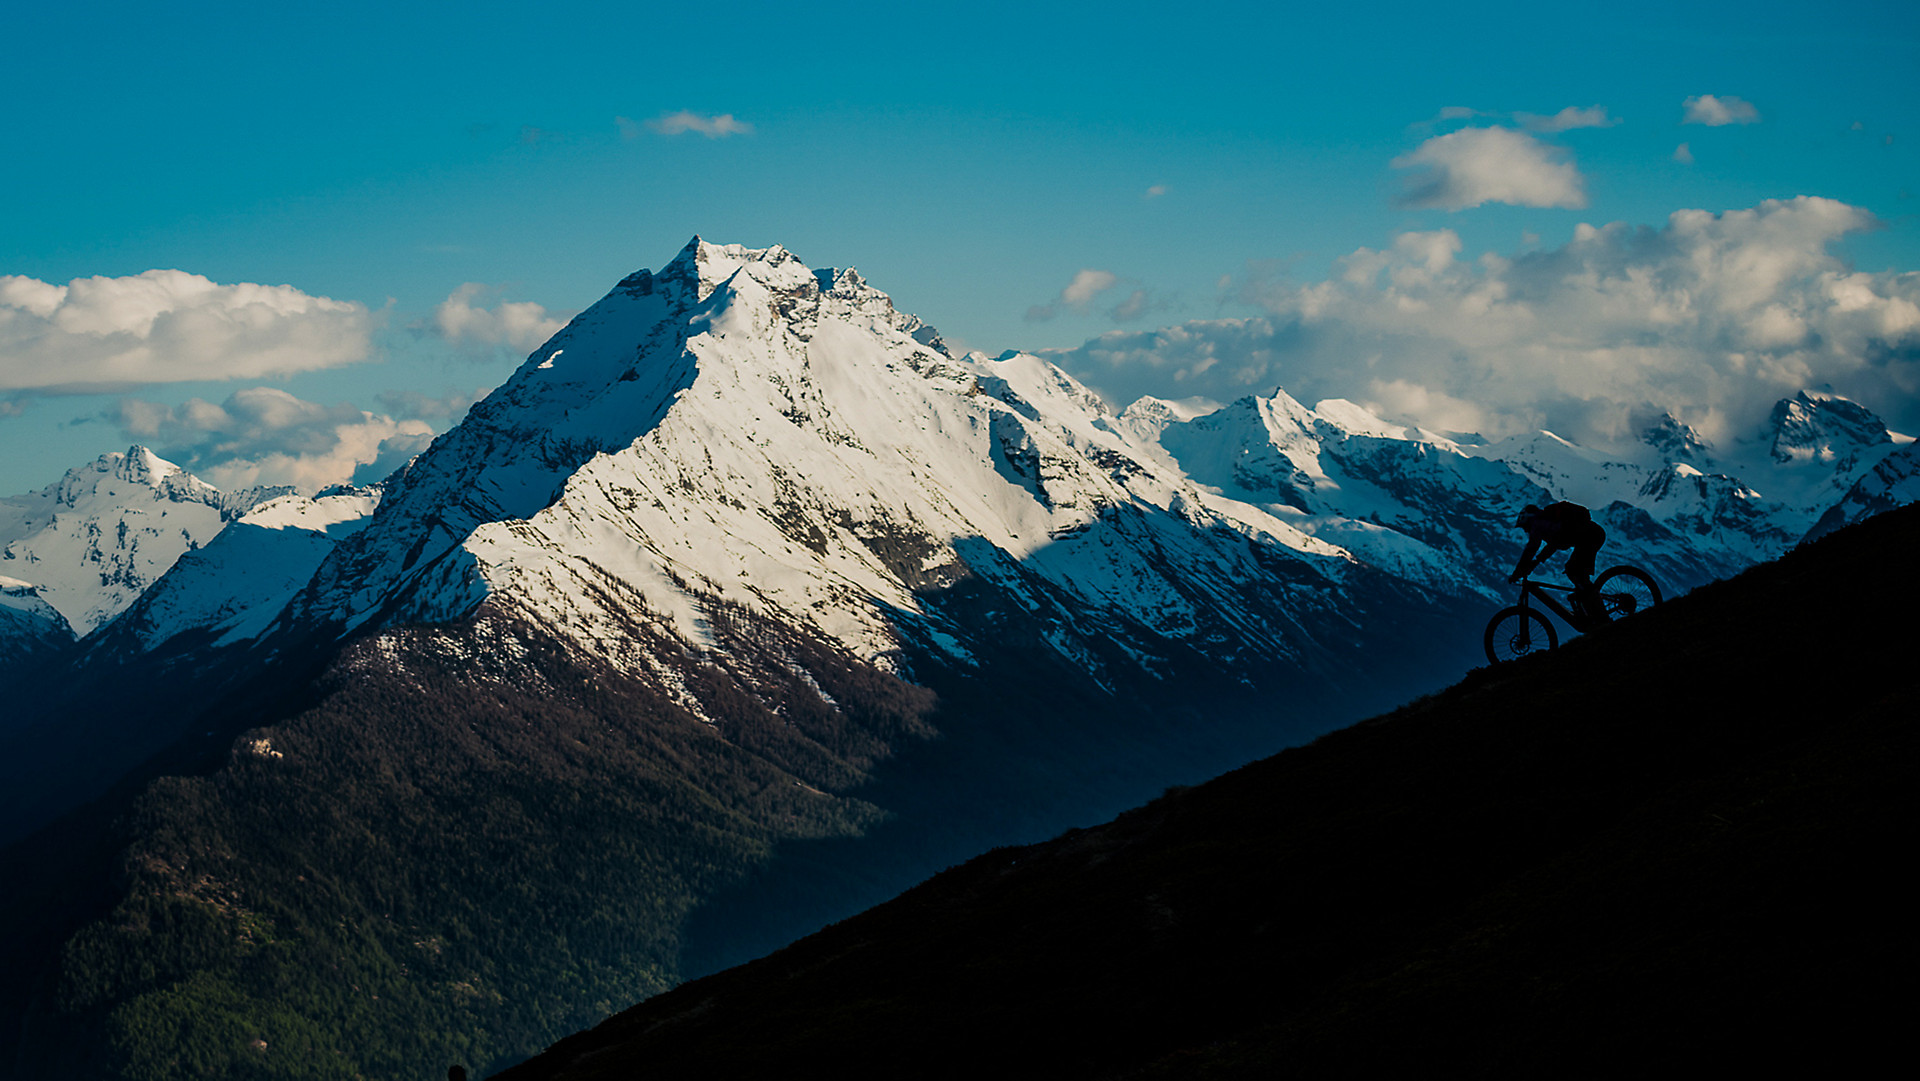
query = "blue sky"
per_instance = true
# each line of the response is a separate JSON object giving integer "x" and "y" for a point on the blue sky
{"x": 1174, "y": 198}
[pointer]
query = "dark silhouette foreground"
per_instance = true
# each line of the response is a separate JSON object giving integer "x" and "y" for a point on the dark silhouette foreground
{"x": 1684, "y": 839}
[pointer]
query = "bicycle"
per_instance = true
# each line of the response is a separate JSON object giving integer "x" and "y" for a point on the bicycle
{"x": 1520, "y": 630}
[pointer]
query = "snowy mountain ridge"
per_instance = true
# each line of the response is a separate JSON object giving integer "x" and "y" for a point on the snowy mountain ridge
{"x": 230, "y": 590}
{"x": 739, "y": 429}
{"x": 786, "y": 441}
{"x": 93, "y": 541}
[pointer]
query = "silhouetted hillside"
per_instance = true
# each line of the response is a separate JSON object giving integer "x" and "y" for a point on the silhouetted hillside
{"x": 1682, "y": 840}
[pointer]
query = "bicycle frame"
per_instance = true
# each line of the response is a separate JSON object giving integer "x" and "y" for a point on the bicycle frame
{"x": 1538, "y": 591}
{"x": 1512, "y": 631}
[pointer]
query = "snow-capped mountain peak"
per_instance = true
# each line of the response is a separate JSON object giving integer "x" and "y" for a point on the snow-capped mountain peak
{"x": 1822, "y": 428}
{"x": 94, "y": 540}
{"x": 739, "y": 429}
{"x": 1675, "y": 441}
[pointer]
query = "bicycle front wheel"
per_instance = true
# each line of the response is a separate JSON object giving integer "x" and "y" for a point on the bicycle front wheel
{"x": 1624, "y": 591}
{"x": 1515, "y": 632}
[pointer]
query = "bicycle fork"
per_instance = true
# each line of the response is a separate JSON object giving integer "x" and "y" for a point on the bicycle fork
{"x": 1525, "y": 638}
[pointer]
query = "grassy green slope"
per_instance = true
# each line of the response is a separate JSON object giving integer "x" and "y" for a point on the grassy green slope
{"x": 1681, "y": 840}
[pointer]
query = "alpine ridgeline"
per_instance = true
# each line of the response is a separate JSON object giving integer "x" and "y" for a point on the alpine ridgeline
{"x": 451, "y": 767}
{"x": 77, "y": 553}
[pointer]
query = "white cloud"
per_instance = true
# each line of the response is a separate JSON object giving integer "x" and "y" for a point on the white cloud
{"x": 411, "y": 404}
{"x": 1087, "y": 283}
{"x": 1472, "y": 166}
{"x": 1717, "y": 111}
{"x": 713, "y": 127}
{"x": 263, "y": 435}
{"x": 1155, "y": 192}
{"x": 1713, "y": 317}
{"x": 1683, "y": 154}
{"x": 1569, "y": 118}
{"x": 523, "y": 325}
{"x": 167, "y": 326}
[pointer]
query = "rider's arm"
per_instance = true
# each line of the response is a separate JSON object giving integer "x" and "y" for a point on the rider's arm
{"x": 1521, "y": 568}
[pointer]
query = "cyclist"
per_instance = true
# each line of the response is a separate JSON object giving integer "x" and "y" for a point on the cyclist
{"x": 1563, "y": 525}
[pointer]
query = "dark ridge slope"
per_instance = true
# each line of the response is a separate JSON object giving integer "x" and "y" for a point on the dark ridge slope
{"x": 1684, "y": 838}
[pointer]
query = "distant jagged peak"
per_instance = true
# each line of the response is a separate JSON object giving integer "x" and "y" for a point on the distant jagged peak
{"x": 137, "y": 467}
{"x": 327, "y": 512}
{"x": 1542, "y": 443}
{"x": 705, "y": 288}
{"x": 1353, "y": 418}
{"x": 1676, "y": 441}
{"x": 117, "y": 475}
{"x": 846, "y": 283}
{"x": 844, "y": 293}
{"x": 1181, "y": 409}
{"x": 1253, "y": 417}
{"x": 1013, "y": 377}
{"x": 703, "y": 266}
{"x": 1678, "y": 478}
{"x": 91, "y": 542}
{"x": 141, "y": 465}
{"x": 239, "y": 504}
{"x": 1820, "y": 426}
{"x": 1149, "y": 416}
{"x": 799, "y": 293}
{"x": 700, "y": 267}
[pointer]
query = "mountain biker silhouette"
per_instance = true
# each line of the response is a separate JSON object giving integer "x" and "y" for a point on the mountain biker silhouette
{"x": 1562, "y": 525}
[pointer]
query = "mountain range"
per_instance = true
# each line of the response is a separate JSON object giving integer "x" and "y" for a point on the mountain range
{"x": 744, "y": 602}
{"x": 785, "y": 439}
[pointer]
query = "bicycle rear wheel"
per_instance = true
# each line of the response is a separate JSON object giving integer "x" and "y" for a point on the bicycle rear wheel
{"x": 1516, "y": 632}
{"x": 1624, "y": 591}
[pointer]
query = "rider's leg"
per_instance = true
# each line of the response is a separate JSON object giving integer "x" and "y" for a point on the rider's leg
{"x": 1580, "y": 569}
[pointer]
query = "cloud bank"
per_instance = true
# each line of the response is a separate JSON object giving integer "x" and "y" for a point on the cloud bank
{"x": 1712, "y": 317}
{"x": 263, "y": 435}
{"x": 523, "y": 325}
{"x": 1472, "y": 166}
{"x": 167, "y": 326}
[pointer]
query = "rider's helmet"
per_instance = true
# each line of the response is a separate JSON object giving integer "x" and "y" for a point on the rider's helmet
{"x": 1527, "y": 514}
